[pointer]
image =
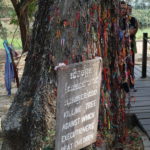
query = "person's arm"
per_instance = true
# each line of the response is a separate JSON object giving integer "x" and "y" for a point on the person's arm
{"x": 133, "y": 31}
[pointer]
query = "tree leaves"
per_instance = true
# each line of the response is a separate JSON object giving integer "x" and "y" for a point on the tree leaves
{"x": 143, "y": 16}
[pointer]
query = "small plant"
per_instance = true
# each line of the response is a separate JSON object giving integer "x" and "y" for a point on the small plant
{"x": 49, "y": 140}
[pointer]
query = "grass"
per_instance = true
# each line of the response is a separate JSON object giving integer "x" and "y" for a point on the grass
{"x": 16, "y": 43}
{"x": 12, "y": 30}
{"x": 139, "y": 35}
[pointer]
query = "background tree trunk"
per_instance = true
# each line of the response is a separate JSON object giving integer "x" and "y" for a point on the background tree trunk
{"x": 21, "y": 9}
{"x": 65, "y": 31}
{"x": 24, "y": 29}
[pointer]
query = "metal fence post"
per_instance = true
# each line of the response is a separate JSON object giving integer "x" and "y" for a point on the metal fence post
{"x": 144, "y": 59}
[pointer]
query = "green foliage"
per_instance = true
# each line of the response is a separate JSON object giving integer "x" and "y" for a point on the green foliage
{"x": 143, "y": 16}
{"x": 9, "y": 12}
{"x": 49, "y": 140}
{"x": 3, "y": 32}
{"x": 5, "y": 11}
{"x": 138, "y": 4}
{"x": 10, "y": 20}
{"x": 140, "y": 32}
{"x": 14, "y": 19}
{"x": 32, "y": 9}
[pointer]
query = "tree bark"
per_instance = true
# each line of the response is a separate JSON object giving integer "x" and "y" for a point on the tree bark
{"x": 24, "y": 29}
{"x": 21, "y": 9}
{"x": 65, "y": 31}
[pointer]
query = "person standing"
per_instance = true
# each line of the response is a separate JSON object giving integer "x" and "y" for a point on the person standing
{"x": 133, "y": 28}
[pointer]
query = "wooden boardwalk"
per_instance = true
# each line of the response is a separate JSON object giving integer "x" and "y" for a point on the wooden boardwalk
{"x": 138, "y": 71}
{"x": 141, "y": 107}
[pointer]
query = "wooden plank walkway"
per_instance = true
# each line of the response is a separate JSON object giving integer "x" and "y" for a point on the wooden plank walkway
{"x": 141, "y": 107}
{"x": 138, "y": 70}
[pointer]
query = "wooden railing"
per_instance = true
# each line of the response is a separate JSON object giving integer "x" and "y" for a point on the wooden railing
{"x": 144, "y": 58}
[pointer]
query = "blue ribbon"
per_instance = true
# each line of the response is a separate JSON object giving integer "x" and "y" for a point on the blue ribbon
{"x": 9, "y": 68}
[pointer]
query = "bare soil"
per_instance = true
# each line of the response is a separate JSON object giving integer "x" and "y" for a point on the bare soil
{"x": 5, "y": 100}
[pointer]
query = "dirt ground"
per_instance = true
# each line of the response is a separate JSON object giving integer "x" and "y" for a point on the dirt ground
{"x": 6, "y": 100}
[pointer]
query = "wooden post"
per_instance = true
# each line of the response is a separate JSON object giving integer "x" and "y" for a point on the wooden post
{"x": 144, "y": 59}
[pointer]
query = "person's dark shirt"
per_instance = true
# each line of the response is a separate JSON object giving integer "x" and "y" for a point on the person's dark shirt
{"x": 133, "y": 24}
{"x": 122, "y": 24}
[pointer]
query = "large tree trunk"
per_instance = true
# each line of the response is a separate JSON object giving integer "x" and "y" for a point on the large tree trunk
{"x": 64, "y": 31}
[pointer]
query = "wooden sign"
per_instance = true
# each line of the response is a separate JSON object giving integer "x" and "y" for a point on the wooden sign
{"x": 78, "y": 104}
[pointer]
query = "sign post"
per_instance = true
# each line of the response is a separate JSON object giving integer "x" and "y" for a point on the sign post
{"x": 78, "y": 104}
